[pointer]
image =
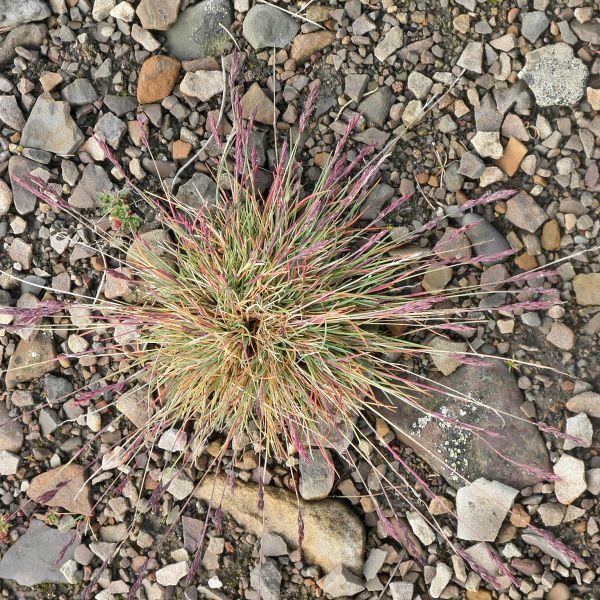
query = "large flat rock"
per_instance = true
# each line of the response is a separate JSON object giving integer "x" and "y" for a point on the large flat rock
{"x": 452, "y": 447}
{"x": 333, "y": 534}
{"x": 36, "y": 557}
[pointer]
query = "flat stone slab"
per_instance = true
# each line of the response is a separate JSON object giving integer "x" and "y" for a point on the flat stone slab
{"x": 454, "y": 448}
{"x": 333, "y": 534}
{"x": 33, "y": 558}
{"x": 50, "y": 127}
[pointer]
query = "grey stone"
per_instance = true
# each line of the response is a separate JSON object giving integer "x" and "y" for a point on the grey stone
{"x": 162, "y": 168}
{"x": 363, "y": 25}
{"x": 487, "y": 116}
{"x": 120, "y": 105}
{"x": 376, "y": 107}
{"x": 523, "y": 211}
{"x": 355, "y": 85}
{"x": 419, "y": 84}
{"x": 49, "y": 421}
{"x": 157, "y": 14}
{"x": 57, "y": 388}
{"x": 341, "y": 582}
{"x": 192, "y": 532}
{"x": 374, "y": 563}
{"x": 266, "y": 26}
{"x": 530, "y": 537}
{"x": 481, "y": 508}
{"x": 316, "y": 475}
{"x": 471, "y": 58}
{"x": 179, "y": 485}
{"x": 273, "y": 545}
{"x": 198, "y": 192}
{"x": 10, "y": 113}
{"x": 94, "y": 181}
{"x": 390, "y": 44}
{"x": 39, "y": 156}
{"x": 25, "y": 11}
{"x": 50, "y": 127}
{"x": 581, "y": 428}
{"x": 197, "y": 33}
{"x": 203, "y": 85}
{"x": 402, "y": 590}
{"x": 572, "y": 481}
{"x": 534, "y": 24}
{"x": 79, "y": 93}
{"x": 587, "y": 32}
{"x": 454, "y": 447}
{"x": 20, "y": 168}
{"x": 173, "y": 440}
{"x": 487, "y": 144}
{"x": 11, "y": 434}
{"x": 134, "y": 404}
{"x": 27, "y": 36}
{"x": 37, "y": 556}
{"x": 566, "y": 33}
{"x": 420, "y": 527}
{"x": 471, "y": 166}
{"x": 172, "y": 574}
{"x": 265, "y": 578}
{"x": 9, "y": 463}
{"x": 485, "y": 238}
{"x": 453, "y": 180}
{"x": 443, "y": 574}
{"x": 111, "y": 129}
{"x": 554, "y": 75}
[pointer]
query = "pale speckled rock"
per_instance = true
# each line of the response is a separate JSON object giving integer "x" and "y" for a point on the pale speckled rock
{"x": 555, "y": 76}
{"x": 333, "y": 534}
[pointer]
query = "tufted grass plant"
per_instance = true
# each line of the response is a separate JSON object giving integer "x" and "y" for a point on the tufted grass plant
{"x": 282, "y": 316}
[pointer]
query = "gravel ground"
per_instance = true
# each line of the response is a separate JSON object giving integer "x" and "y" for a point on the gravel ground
{"x": 485, "y": 95}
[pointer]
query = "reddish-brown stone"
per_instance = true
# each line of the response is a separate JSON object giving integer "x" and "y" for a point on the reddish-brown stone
{"x": 157, "y": 78}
